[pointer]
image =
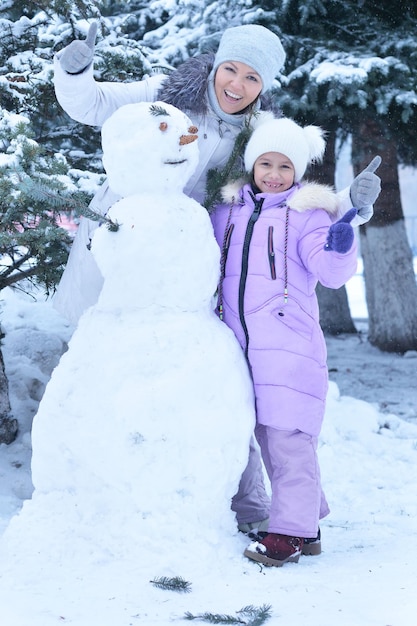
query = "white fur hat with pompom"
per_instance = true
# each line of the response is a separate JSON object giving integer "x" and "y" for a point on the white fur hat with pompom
{"x": 302, "y": 145}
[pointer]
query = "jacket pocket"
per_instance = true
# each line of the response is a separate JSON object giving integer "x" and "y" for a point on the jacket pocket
{"x": 295, "y": 319}
{"x": 271, "y": 253}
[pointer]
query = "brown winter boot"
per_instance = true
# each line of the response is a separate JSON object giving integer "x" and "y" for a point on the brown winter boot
{"x": 275, "y": 550}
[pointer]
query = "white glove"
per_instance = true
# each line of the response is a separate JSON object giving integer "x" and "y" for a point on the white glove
{"x": 79, "y": 54}
{"x": 365, "y": 189}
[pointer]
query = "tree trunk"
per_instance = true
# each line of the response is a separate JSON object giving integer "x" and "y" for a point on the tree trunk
{"x": 390, "y": 283}
{"x": 335, "y": 317}
{"x": 8, "y": 426}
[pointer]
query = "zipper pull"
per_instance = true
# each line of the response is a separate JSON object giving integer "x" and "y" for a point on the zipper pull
{"x": 257, "y": 210}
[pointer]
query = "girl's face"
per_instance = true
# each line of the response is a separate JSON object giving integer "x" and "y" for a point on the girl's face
{"x": 236, "y": 86}
{"x": 273, "y": 172}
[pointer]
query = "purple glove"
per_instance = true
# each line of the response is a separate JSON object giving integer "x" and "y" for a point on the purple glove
{"x": 340, "y": 236}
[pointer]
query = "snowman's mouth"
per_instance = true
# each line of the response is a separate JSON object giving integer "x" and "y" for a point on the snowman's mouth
{"x": 175, "y": 162}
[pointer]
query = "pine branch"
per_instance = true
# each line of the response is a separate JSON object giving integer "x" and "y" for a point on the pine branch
{"x": 41, "y": 192}
{"x": 172, "y": 584}
{"x": 8, "y": 279}
{"x": 156, "y": 110}
{"x": 214, "y": 618}
{"x": 97, "y": 217}
{"x": 63, "y": 201}
{"x": 217, "y": 179}
{"x": 257, "y": 616}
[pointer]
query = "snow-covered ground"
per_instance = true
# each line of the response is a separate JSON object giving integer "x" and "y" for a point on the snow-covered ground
{"x": 365, "y": 575}
{"x": 73, "y": 565}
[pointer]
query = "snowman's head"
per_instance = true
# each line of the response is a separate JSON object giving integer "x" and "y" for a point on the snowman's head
{"x": 149, "y": 147}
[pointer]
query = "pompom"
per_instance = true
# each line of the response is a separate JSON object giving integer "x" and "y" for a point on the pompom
{"x": 315, "y": 138}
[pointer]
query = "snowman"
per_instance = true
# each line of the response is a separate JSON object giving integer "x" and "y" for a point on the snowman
{"x": 144, "y": 427}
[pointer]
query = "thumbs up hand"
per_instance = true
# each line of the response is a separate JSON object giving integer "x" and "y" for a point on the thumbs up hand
{"x": 79, "y": 54}
{"x": 365, "y": 189}
{"x": 340, "y": 236}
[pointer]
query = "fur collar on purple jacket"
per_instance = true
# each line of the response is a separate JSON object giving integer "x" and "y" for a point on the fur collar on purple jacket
{"x": 306, "y": 196}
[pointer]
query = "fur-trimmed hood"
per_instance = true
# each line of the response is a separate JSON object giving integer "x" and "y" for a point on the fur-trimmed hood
{"x": 305, "y": 197}
{"x": 186, "y": 87}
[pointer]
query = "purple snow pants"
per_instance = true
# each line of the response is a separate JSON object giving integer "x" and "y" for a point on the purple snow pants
{"x": 298, "y": 501}
{"x": 295, "y": 508}
{"x": 251, "y": 503}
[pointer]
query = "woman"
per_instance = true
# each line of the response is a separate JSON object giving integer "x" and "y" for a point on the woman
{"x": 219, "y": 93}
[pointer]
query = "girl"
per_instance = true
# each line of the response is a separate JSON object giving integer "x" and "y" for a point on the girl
{"x": 278, "y": 238}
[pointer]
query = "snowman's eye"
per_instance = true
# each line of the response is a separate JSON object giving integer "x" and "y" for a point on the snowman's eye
{"x": 193, "y": 130}
{"x": 163, "y": 126}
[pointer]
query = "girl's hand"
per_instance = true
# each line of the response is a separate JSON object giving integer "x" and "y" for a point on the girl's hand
{"x": 340, "y": 236}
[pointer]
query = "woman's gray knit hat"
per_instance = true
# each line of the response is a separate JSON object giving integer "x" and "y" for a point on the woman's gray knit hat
{"x": 255, "y": 46}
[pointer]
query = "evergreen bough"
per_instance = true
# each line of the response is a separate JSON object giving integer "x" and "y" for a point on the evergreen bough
{"x": 156, "y": 110}
{"x": 175, "y": 583}
{"x": 65, "y": 201}
{"x": 248, "y": 615}
{"x": 35, "y": 189}
{"x": 233, "y": 169}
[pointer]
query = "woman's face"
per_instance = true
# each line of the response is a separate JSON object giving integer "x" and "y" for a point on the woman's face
{"x": 273, "y": 172}
{"x": 236, "y": 86}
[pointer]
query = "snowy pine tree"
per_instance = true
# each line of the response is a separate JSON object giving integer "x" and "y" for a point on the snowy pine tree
{"x": 33, "y": 245}
{"x": 349, "y": 65}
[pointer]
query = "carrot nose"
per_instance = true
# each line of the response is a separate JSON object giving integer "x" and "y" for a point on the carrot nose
{"x": 184, "y": 139}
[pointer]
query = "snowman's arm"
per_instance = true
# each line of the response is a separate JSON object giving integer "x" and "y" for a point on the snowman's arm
{"x": 90, "y": 102}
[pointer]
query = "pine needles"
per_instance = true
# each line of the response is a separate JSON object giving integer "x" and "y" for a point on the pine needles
{"x": 249, "y": 616}
{"x": 57, "y": 199}
{"x": 156, "y": 110}
{"x": 233, "y": 170}
{"x": 64, "y": 201}
{"x": 172, "y": 584}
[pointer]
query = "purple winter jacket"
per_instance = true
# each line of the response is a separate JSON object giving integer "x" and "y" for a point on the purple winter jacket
{"x": 269, "y": 300}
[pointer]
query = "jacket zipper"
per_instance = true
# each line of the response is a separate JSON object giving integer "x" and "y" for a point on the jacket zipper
{"x": 245, "y": 262}
{"x": 271, "y": 253}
